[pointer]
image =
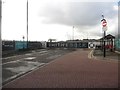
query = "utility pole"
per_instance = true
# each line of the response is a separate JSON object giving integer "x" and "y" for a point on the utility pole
{"x": 73, "y": 32}
{"x": 0, "y": 17}
{"x": 27, "y": 24}
{"x": 0, "y": 44}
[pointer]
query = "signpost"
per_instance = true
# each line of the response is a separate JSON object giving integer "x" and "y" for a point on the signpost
{"x": 104, "y": 28}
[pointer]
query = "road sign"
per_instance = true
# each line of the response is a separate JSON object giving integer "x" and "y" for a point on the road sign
{"x": 104, "y": 23}
{"x": 91, "y": 45}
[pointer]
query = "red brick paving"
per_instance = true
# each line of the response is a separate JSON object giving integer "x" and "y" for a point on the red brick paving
{"x": 73, "y": 70}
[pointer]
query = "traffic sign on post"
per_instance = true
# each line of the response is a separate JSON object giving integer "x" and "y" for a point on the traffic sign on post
{"x": 104, "y": 23}
{"x": 104, "y": 28}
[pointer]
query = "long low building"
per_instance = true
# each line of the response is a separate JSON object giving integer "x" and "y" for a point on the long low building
{"x": 74, "y": 44}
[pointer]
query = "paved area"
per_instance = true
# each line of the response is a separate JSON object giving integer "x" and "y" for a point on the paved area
{"x": 109, "y": 55}
{"x": 13, "y": 52}
{"x": 17, "y": 65}
{"x": 73, "y": 70}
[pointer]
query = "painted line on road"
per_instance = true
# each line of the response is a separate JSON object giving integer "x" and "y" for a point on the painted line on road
{"x": 29, "y": 58}
{"x": 90, "y": 54}
{"x": 14, "y": 56}
{"x": 28, "y": 54}
{"x": 17, "y": 55}
{"x": 41, "y": 54}
{"x": 53, "y": 57}
{"x": 11, "y": 57}
{"x": 37, "y": 66}
{"x": 33, "y": 51}
{"x": 42, "y": 51}
{"x": 11, "y": 62}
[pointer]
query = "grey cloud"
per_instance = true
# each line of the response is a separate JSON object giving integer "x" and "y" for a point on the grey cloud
{"x": 83, "y": 14}
{"x": 96, "y": 34}
{"x": 90, "y": 32}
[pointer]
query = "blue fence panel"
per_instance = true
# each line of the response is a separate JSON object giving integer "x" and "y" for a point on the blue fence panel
{"x": 117, "y": 44}
{"x": 20, "y": 45}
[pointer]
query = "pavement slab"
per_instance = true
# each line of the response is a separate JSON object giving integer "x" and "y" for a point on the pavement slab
{"x": 73, "y": 70}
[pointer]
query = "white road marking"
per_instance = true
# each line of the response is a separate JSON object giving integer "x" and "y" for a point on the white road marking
{"x": 12, "y": 62}
{"x": 28, "y": 67}
{"x": 25, "y": 54}
{"x": 33, "y": 51}
{"x": 28, "y": 54}
{"x": 90, "y": 55}
{"x": 43, "y": 52}
{"x": 30, "y": 58}
{"x": 53, "y": 57}
{"x": 37, "y": 66}
{"x": 10, "y": 57}
{"x": 18, "y": 55}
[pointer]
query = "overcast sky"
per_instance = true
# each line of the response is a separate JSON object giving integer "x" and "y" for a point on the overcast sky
{"x": 55, "y": 19}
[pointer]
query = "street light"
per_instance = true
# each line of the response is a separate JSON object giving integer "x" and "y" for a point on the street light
{"x": 27, "y": 24}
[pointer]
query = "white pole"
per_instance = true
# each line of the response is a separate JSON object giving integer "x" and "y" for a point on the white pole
{"x": 73, "y": 32}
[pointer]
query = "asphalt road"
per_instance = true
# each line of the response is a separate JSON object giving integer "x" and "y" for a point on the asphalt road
{"x": 15, "y": 66}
